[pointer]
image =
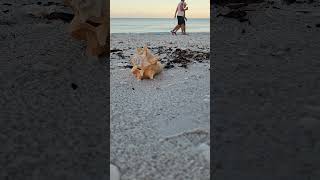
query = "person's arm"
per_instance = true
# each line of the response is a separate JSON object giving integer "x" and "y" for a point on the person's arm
{"x": 185, "y": 6}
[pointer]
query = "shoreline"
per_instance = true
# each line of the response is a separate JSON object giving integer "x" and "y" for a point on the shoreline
{"x": 153, "y": 18}
{"x": 159, "y": 33}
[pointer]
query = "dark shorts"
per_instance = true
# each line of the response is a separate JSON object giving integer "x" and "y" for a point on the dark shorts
{"x": 181, "y": 20}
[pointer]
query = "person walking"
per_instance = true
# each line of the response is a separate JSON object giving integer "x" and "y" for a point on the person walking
{"x": 180, "y": 14}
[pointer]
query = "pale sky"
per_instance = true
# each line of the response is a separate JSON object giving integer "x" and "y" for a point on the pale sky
{"x": 157, "y": 8}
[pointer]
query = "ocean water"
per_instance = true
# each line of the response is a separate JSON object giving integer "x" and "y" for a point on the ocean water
{"x": 147, "y": 25}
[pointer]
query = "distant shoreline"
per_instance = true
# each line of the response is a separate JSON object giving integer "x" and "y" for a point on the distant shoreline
{"x": 155, "y": 25}
{"x": 160, "y": 33}
{"x": 150, "y": 18}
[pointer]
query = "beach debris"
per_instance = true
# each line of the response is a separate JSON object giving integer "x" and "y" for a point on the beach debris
{"x": 128, "y": 66}
{"x": 185, "y": 56}
{"x": 50, "y": 3}
{"x": 90, "y": 23}
{"x": 168, "y": 66}
{"x": 115, "y": 50}
{"x": 114, "y": 172}
{"x": 236, "y": 5}
{"x": 304, "y": 11}
{"x": 48, "y": 12}
{"x": 235, "y": 14}
{"x": 39, "y": 11}
{"x": 183, "y": 65}
{"x": 288, "y": 1}
{"x": 65, "y": 17}
{"x": 145, "y": 64}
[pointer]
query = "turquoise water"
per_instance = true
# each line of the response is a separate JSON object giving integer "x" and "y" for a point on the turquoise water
{"x": 146, "y": 25}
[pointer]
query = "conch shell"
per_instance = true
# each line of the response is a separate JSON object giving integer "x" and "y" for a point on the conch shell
{"x": 90, "y": 23}
{"x": 145, "y": 65}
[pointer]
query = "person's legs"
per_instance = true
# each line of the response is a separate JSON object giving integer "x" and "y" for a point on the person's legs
{"x": 183, "y": 28}
{"x": 180, "y": 23}
{"x": 176, "y": 28}
{"x": 183, "y": 25}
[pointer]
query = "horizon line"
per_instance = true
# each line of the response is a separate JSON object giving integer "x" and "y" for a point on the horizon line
{"x": 155, "y": 18}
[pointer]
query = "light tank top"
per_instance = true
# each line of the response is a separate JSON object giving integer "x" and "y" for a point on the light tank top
{"x": 181, "y": 9}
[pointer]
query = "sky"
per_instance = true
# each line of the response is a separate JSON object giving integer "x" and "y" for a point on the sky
{"x": 157, "y": 8}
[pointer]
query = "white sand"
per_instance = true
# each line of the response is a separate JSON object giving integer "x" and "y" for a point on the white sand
{"x": 160, "y": 128}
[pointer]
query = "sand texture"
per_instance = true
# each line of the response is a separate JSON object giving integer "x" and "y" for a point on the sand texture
{"x": 266, "y": 92}
{"x": 53, "y": 98}
{"x": 160, "y": 128}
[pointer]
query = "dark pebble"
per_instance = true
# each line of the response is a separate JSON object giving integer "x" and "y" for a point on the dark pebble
{"x": 168, "y": 66}
{"x": 183, "y": 65}
{"x": 115, "y": 50}
{"x": 74, "y": 86}
{"x": 128, "y": 66}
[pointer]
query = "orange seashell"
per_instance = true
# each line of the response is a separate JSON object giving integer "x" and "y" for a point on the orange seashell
{"x": 145, "y": 64}
{"x": 90, "y": 23}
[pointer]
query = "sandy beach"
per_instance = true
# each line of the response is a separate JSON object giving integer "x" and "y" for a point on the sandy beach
{"x": 266, "y": 81}
{"x": 160, "y": 128}
{"x": 53, "y": 98}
